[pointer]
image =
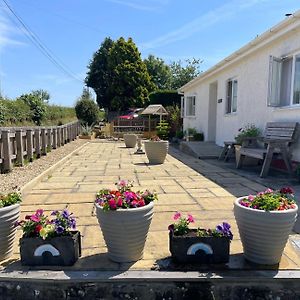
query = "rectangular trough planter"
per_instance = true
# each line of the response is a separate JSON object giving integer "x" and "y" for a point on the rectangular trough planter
{"x": 56, "y": 251}
{"x": 201, "y": 250}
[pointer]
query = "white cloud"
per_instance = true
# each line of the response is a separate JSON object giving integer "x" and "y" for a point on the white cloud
{"x": 204, "y": 21}
{"x": 7, "y": 30}
{"x": 150, "y": 5}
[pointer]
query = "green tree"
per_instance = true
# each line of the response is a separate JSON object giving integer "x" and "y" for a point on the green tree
{"x": 99, "y": 74}
{"x": 159, "y": 72}
{"x": 37, "y": 101}
{"x": 182, "y": 74}
{"x": 131, "y": 82}
{"x": 86, "y": 109}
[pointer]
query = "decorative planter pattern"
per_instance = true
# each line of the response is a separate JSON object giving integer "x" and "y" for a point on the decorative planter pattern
{"x": 125, "y": 231}
{"x": 156, "y": 151}
{"x": 263, "y": 233}
{"x": 130, "y": 140}
{"x": 56, "y": 251}
{"x": 193, "y": 249}
{"x": 9, "y": 215}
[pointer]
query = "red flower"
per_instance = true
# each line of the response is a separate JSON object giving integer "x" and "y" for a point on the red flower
{"x": 141, "y": 203}
{"x": 120, "y": 202}
{"x": 38, "y": 228}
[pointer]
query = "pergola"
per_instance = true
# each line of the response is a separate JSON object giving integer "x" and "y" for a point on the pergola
{"x": 154, "y": 109}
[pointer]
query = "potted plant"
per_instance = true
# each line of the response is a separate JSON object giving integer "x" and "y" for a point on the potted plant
{"x": 124, "y": 217}
{"x": 265, "y": 222}
{"x": 130, "y": 140}
{"x": 87, "y": 132}
{"x": 51, "y": 240}
{"x": 156, "y": 150}
{"x": 198, "y": 245}
{"x": 246, "y": 137}
{"x": 9, "y": 214}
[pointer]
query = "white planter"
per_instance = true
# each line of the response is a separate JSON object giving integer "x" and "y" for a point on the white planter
{"x": 264, "y": 234}
{"x": 156, "y": 151}
{"x": 9, "y": 215}
{"x": 130, "y": 140}
{"x": 125, "y": 231}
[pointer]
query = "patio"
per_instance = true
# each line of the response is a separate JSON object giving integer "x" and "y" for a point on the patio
{"x": 204, "y": 188}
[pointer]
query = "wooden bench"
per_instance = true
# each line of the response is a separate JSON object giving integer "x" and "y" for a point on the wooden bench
{"x": 228, "y": 151}
{"x": 277, "y": 139}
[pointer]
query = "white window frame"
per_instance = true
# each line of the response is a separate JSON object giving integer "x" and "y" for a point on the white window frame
{"x": 280, "y": 102}
{"x": 182, "y": 107}
{"x": 190, "y": 108}
{"x": 233, "y": 109}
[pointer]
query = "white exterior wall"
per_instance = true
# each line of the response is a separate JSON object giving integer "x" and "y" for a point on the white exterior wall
{"x": 252, "y": 73}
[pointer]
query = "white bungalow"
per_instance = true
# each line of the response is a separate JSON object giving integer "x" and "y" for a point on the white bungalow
{"x": 258, "y": 83}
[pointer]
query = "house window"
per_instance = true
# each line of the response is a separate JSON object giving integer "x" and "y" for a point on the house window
{"x": 190, "y": 104}
{"x": 284, "y": 81}
{"x": 232, "y": 85}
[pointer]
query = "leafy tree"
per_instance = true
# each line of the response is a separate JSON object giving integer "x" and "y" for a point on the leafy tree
{"x": 159, "y": 72}
{"x": 99, "y": 74}
{"x": 37, "y": 101}
{"x": 131, "y": 82}
{"x": 180, "y": 74}
{"x": 86, "y": 109}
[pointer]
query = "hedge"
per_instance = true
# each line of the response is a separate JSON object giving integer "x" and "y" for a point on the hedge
{"x": 165, "y": 97}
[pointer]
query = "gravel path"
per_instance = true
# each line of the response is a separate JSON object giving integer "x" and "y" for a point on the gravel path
{"x": 19, "y": 176}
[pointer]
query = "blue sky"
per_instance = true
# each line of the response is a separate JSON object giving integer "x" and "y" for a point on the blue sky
{"x": 74, "y": 29}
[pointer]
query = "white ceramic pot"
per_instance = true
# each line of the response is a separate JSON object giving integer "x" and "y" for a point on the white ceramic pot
{"x": 130, "y": 140}
{"x": 125, "y": 231}
{"x": 264, "y": 234}
{"x": 156, "y": 151}
{"x": 9, "y": 215}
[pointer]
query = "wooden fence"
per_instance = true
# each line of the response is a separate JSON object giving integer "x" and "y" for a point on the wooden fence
{"x": 19, "y": 143}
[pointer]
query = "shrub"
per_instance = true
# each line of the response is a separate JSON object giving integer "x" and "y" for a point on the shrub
{"x": 174, "y": 119}
{"x": 163, "y": 130}
{"x": 87, "y": 111}
{"x": 250, "y": 130}
{"x": 165, "y": 97}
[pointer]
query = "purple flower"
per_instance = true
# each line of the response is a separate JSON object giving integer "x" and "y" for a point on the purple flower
{"x": 65, "y": 214}
{"x": 59, "y": 229}
{"x": 54, "y": 213}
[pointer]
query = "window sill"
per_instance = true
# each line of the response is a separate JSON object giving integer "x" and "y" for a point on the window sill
{"x": 230, "y": 114}
{"x": 290, "y": 107}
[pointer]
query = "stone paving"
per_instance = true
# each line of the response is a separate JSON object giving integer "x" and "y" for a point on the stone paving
{"x": 183, "y": 185}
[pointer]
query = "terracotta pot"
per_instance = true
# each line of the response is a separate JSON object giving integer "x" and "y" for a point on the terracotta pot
{"x": 264, "y": 234}
{"x": 125, "y": 231}
{"x": 156, "y": 151}
{"x": 9, "y": 215}
{"x": 130, "y": 140}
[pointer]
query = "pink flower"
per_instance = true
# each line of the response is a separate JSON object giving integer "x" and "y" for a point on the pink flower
{"x": 268, "y": 191}
{"x": 122, "y": 183}
{"x": 190, "y": 218}
{"x": 141, "y": 203}
{"x": 120, "y": 202}
{"x": 35, "y": 218}
{"x": 251, "y": 197}
{"x": 112, "y": 204}
{"x": 177, "y": 216}
{"x": 39, "y": 212}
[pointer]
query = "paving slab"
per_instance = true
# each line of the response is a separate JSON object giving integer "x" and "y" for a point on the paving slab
{"x": 183, "y": 184}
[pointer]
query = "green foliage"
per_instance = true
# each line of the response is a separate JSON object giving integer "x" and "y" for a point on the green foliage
{"x": 2, "y": 112}
{"x": 182, "y": 74}
{"x": 197, "y": 136}
{"x": 86, "y": 129}
{"x": 250, "y": 130}
{"x": 131, "y": 82}
{"x": 165, "y": 97}
{"x": 99, "y": 74}
{"x": 159, "y": 72}
{"x": 174, "y": 119}
{"x": 36, "y": 100}
{"x": 179, "y": 134}
{"x": 10, "y": 199}
{"x": 163, "y": 129}
{"x": 86, "y": 109}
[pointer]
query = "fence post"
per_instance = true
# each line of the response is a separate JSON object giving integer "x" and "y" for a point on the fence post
{"x": 37, "y": 142}
{"x": 44, "y": 144}
{"x": 49, "y": 137}
{"x": 65, "y": 134}
{"x": 58, "y": 136}
{"x": 29, "y": 141}
{"x": 62, "y": 142}
{"x": 54, "y": 144}
{"x": 20, "y": 148}
{"x": 6, "y": 163}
